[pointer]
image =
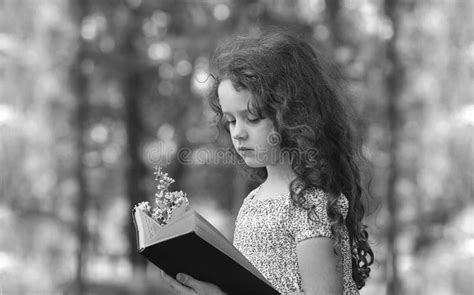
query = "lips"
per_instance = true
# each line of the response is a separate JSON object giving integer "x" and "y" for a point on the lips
{"x": 241, "y": 149}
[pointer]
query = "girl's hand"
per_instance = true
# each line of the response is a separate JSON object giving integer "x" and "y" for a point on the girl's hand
{"x": 187, "y": 285}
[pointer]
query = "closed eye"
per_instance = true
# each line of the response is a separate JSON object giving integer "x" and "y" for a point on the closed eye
{"x": 250, "y": 120}
{"x": 255, "y": 120}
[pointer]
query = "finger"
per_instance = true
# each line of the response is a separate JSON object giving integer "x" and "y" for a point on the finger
{"x": 188, "y": 280}
{"x": 179, "y": 288}
{"x": 197, "y": 286}
{"x": 175, "y": 285}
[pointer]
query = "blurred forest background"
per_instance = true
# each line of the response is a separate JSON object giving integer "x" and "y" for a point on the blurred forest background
{"x": 94, "y": 93}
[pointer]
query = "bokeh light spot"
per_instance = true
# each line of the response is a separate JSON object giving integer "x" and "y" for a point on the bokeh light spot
{"x": 221, "y": 12}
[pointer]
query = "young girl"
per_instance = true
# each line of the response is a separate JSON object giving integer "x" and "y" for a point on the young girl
{"x": 302, "y": 226}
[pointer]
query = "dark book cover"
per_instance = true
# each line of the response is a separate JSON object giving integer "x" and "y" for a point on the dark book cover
{"x": 191, "y": 254}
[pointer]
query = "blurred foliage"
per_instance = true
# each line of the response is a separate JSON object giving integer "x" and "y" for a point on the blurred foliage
{"x": 136, "y": 72}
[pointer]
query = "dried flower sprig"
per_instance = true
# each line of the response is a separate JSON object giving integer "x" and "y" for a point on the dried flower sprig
{"x": 168, "y": 204}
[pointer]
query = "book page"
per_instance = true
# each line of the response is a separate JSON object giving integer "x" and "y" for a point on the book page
{"x": 148, "y": 228}
{"x": 180, "y": 226}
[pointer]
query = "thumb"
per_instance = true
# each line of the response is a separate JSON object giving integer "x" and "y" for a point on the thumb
{"x": 187, "y": 280}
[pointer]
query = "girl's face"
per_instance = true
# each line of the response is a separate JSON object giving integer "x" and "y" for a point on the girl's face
{"x": 250, "y": 135}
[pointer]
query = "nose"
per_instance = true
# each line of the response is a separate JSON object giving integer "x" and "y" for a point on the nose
{"x": 238, "y": 131}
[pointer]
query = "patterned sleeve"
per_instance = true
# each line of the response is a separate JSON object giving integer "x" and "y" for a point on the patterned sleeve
{"x": 301, "y": 227}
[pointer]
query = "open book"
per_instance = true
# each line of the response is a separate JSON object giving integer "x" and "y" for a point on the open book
{"x": 193, "y": 246}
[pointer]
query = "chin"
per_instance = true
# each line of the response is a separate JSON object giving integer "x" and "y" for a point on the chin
{"x": 254, "y": 164}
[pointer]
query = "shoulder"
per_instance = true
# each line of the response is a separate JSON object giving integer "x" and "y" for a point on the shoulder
{"x": 246, "y": 206}
{"x": 318, "y": 200}
{"x": 250, "y": 195}
{"x": 308, "y": 215}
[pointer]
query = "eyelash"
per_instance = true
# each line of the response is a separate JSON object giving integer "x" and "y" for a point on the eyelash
{"x": 253, "y": 120}
{"x": 249, "y": 120}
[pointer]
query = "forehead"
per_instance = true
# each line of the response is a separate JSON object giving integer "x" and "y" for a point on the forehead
{"x": 232, "y": 100}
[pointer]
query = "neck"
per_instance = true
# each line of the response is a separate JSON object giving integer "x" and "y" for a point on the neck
{"x": 280, "y": 173}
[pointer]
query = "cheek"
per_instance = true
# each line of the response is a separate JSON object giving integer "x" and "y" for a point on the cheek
{"x": 231, "y": 134}
{"x": 269, "y": 137}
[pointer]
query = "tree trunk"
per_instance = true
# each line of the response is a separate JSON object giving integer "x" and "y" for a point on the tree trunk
{"x": 332, "y": 15}
{"x": 79, "y": 84}
{"x": 136, "y": 170}
{"x": 394, "y": 83}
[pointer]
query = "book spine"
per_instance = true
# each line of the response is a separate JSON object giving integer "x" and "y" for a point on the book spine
{"x": 137, "y": 230}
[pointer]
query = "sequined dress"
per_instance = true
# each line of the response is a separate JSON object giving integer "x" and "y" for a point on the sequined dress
{"x": 267, "y": 231}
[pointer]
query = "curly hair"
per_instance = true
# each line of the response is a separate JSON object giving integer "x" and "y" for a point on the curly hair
{"x": 289, "y": 86}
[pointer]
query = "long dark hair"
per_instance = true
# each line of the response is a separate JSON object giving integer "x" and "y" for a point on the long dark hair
{"x": 289, "y": 86}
